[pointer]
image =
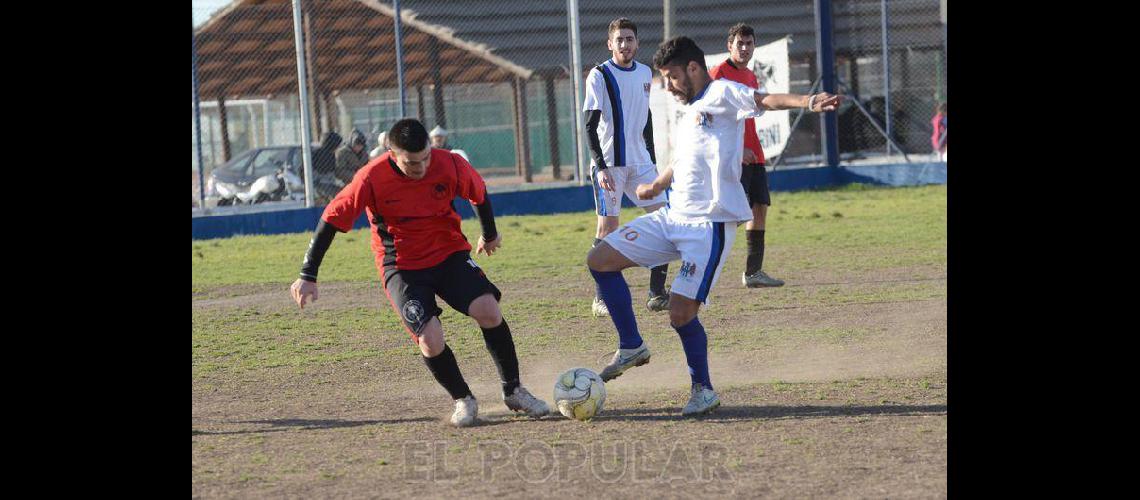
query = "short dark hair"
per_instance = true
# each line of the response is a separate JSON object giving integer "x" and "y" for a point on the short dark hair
{"x": 678, "y": 50}
{"x": 408, "y": 134}
{"x": 742, "y": 30}
{"x": 621, "y": 23}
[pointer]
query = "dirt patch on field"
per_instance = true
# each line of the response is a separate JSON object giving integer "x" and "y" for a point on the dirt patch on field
{"x": 870, "y": 437}
{"x": 825, "y": 394}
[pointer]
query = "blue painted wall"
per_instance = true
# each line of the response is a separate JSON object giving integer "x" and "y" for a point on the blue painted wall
{"x": 574, "y": 199}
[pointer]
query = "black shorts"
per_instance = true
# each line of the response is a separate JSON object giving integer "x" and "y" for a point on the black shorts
{"x": 457, "y": 280}
{"x": 755, "y": 180}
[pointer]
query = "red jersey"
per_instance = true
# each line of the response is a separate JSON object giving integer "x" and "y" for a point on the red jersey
{"x": 414, "y": 225}
{"x": 743, "y": 75}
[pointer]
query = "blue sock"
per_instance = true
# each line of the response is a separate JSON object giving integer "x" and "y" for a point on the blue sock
{"x": 696, "y": 343}
{"x": 615, "y": 293}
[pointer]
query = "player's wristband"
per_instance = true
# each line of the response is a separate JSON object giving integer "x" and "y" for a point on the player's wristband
{"x": 811, "y": 102}
{"x": 310, "y": 279}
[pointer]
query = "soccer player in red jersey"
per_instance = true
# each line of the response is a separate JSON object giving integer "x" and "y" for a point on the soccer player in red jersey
{"x": 741, "y": 45}
{"x": 408, "y": 194}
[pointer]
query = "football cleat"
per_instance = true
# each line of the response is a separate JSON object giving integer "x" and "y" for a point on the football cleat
{"x": 623, "y": 360}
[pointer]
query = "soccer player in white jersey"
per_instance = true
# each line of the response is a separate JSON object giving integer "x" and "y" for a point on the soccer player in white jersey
{"x": 705, "y": 204}
{"x": 619, "y": 132}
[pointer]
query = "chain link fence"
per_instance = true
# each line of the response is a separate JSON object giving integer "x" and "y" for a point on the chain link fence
{"x": 496, "y": 75}
{"x": 913, "y": 64}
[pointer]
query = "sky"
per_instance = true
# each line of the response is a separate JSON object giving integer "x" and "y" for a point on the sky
{"x": 203, "y": 9}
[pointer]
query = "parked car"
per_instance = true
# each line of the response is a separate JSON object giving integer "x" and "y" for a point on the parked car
{"x": 271, "y": 173}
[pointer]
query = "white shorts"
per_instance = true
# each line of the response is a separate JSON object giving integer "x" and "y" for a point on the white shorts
{"x": 702, "y": 247}
{"x": 626, "y": 180}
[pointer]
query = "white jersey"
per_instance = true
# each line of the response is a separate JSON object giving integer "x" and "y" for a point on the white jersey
{"x": 707, "y": 154}
{"x": 624, "y": 104}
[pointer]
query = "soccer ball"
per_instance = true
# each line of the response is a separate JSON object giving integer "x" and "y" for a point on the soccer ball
{"x": 579, "y": 393}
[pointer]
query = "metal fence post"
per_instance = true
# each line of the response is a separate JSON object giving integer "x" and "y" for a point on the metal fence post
{"x": 886, "y": 70}
{"x": 825, "y": 54}
{"x": 576, "y": 75}
{"x": 400, "y": 60}
{"x": 303, "y": 95}
{"x": 197, "y": 121}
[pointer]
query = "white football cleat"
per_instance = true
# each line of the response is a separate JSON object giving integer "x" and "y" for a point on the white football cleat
{"x": 625, "y": 359}
{"x": 522, "y": 400}
{"x": 702, "y": 400}
{"x": 599, "y": 308}
{"x": 465, "y": 411}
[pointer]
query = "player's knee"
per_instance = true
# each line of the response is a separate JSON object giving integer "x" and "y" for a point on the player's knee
{"x": 680, "y": 317}
{"x": 485, "y": 311}
{"x": 597, "y": 259}
{"x": 682, "y": 310}
{"x": 431, "y": 339}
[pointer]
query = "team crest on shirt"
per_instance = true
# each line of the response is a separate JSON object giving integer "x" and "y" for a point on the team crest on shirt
{"x": 439, "y": 191}
{"x": 688, "y": 269}
{"x": 704, "y": 119}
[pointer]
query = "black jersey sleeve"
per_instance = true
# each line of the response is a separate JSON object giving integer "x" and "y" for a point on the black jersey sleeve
{"x": 487, "y": 219}
{"x": 648, "y": 135}
{"x": 593, "y": 116}
{"x": 322, "y": 239}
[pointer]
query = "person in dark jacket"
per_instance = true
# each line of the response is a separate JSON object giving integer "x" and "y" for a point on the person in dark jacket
{"x": 351, "y": 156}
{"x": 324, "y": 168}
{"x": 324, "y": 159}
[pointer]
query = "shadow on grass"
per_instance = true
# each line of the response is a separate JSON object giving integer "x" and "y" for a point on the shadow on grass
{"x": 288, "y": 424}
{"x": 742, "y": 413}
{"x": 867, "y": 282}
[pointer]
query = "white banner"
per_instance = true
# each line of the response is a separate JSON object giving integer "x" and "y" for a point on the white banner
{"x": 770, "y": 64}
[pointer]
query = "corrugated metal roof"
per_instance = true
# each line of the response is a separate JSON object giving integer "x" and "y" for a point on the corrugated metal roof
{"x": 247, "y": 47}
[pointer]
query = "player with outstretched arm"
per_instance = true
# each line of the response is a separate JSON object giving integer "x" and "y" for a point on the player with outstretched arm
{"x": 706, "y": 202}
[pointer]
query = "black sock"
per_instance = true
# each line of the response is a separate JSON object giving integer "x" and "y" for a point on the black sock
{"x": 657, "y": 280}
{"x": 597, "y": 291}
{"x": 446, "y": 372}
{"x": 502, "y": 349}
{"x": 755, "y": 251}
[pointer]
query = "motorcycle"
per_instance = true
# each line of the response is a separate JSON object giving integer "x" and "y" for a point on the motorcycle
{"x": 283, "y": 185}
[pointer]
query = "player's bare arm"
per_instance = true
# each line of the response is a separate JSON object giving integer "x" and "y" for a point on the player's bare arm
{"x": 816, "y": 103}
{"x": 489, "y": 247}
{"x": 749, "y": 157}
{"x": 301, "y": 290}
{"x": 660, "y": 184}
{"x": 605, "y": 180}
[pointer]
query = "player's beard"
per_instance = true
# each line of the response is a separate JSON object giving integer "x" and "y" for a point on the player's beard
{"x": 619, "y": 58}
{"x": 686, "y": 94}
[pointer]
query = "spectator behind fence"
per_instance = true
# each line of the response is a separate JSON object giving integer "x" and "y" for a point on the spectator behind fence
{"x": 938, "y": 138}
{"x": 381, "y": 145}
{"x": 351, "y": 156}
{"x": 439, "y": 138}
{"x": 324, "y": 161}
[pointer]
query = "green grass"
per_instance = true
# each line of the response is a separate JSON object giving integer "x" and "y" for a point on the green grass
{"x": 910, "y": 221}
{"x": 541, "y": 269}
